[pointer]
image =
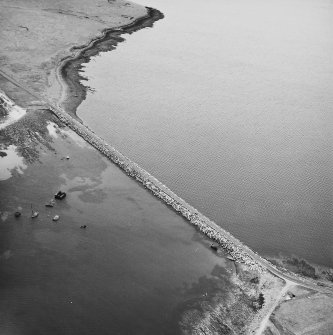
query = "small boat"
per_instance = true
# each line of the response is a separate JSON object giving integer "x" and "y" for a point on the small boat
{"x": 83, "y": 226}
{"x": 56, "y": 218}
{"x": 34, "y": 214}
{"x": 51, "y": 203}
{"x": 214, "y": 247}
{"x": 60, "y": 195}
{"x": 17, "y": 214}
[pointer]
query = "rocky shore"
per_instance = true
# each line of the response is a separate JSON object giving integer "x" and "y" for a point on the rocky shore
{"x": 229, "y": 243}
{"x": 73, "y": 92}
{"x": 238, "y": 252}
{"x": 68, "y": 77}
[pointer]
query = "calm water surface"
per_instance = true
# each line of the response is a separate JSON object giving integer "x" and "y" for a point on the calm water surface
{"x": 134, "y": 270}
{"x": 230, "y": 104}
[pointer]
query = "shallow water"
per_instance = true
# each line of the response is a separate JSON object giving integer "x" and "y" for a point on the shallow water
{"x": 132, "y": 271}
{"x": 10, "y": 113}
{"x": 229, "y": 104}
{"x": 10, "y": 161}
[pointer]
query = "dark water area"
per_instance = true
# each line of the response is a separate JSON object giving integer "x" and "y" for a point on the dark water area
{"x": 230, "y": 105}
{"x": 133, "y": 270}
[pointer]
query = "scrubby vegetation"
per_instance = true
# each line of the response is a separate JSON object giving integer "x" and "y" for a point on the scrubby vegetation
{"x": 300, "y": 266}
{"x": 227, "y": 309}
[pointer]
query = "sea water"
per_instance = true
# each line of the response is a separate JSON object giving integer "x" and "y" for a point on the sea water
{"x": 229, "y": 103}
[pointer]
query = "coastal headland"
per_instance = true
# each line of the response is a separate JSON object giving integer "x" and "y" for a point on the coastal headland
{"x": 68, "y": 72}
{"x": 60, "y": 92}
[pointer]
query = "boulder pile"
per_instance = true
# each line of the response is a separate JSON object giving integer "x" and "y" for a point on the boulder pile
{"x": 238, "y": 251}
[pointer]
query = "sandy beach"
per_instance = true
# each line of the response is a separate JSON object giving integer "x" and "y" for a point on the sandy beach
{"x": 40, "y": 73}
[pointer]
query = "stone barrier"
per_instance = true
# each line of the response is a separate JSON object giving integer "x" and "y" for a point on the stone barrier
{"x": 238, "y": 251}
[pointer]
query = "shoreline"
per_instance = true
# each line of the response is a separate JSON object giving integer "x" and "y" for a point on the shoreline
{"x": 239, "y": 252}
{"x": 243, "y": 258}
{"x": 73, "y": 93}
{"x": 68, "y": 70}
{"x": 235, "y": 248}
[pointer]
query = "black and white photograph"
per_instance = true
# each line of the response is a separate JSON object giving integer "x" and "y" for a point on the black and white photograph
{"x": 166, "y": 167}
